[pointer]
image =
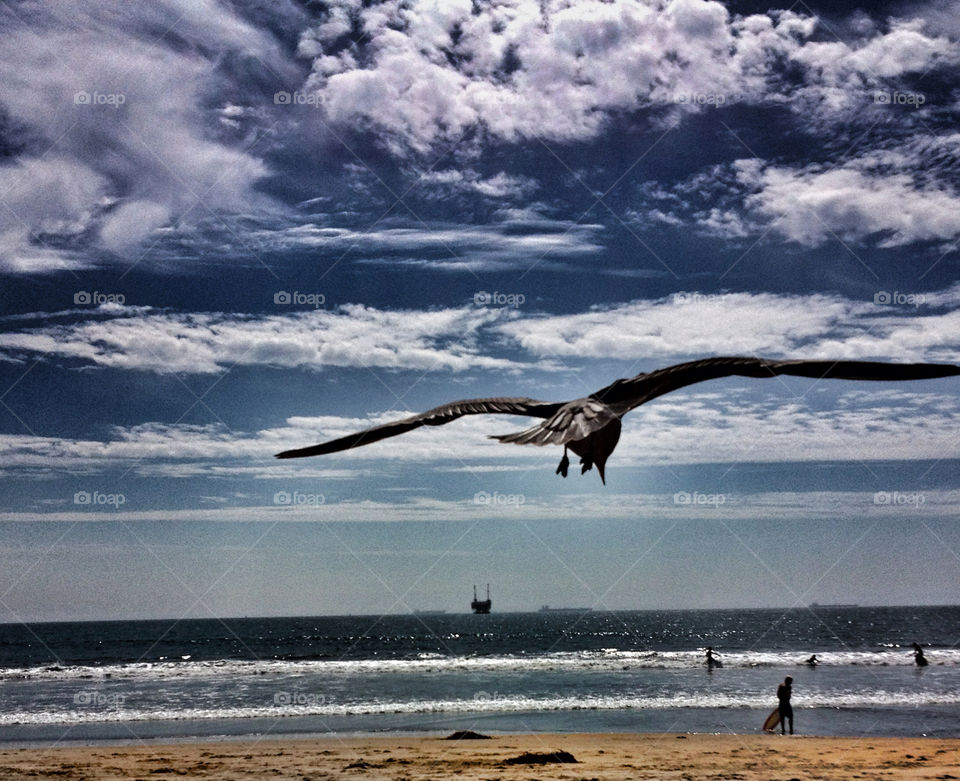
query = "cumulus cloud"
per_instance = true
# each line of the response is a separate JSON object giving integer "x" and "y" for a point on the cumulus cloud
{"x": 857, "y": 200}
{"x": 559, "y": 70}
{"x": 888, "y": 197}
{"x": 906, "y": 48}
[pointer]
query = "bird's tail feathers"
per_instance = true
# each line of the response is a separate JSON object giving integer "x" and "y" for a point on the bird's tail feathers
{"x": 535, "y": 435}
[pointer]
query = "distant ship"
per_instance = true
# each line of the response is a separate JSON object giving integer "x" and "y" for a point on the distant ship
{"x": 548, "y": 609}
{"x": 835, "y": 604}
{"x": 481, "y": 606}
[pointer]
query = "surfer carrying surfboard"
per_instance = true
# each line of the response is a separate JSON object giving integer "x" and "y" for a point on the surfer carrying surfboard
{"x": 784, "y": 708}
{"x": 712, "y": 660}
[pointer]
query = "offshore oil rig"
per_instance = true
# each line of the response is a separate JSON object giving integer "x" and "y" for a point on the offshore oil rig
{"x": 481, "y": 605}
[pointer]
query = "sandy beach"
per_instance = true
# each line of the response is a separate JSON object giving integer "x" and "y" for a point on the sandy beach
{"x": 598, "y": 756}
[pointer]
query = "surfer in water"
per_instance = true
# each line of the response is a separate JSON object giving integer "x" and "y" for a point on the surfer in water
{"x": 918, "y": 656}
{"x": 784, "y": 690}
{"x": 712, "y": 660}
{"x": 812, "y": 661}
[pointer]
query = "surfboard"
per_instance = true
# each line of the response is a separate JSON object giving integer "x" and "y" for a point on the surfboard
{"x": 772, "y": 721}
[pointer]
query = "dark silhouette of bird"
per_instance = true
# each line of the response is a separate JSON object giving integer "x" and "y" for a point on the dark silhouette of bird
{"x": 590, "y": 426}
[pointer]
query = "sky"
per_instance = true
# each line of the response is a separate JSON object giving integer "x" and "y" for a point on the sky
{"x": 233, "y": 228}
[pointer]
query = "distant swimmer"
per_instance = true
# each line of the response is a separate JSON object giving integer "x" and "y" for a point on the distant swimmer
{"x": 918, "y": 656}
{"x": 785, "y": 709}
{"x": 812, "y": 661}
{"x": 712, "y": 660}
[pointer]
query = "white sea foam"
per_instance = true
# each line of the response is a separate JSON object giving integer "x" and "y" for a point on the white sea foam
{"x": 609, "y": 659}
{"x": 490, "y": 704}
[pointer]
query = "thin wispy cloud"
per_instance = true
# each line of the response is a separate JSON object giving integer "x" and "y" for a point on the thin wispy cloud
{"x": 114, "y": 106}
{"x": 788, "y": 506}
{"x": 199, "y": 343}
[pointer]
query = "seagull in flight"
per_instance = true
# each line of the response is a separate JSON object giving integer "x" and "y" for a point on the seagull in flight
{"x": 590, "y": 426}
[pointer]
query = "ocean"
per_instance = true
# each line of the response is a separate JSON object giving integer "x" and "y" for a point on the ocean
{"x": 512, "y": 672}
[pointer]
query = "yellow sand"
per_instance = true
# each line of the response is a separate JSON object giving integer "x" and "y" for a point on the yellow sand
{"x": 600, "y": 756}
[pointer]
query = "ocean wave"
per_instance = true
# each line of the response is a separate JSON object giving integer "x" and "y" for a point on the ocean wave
{"x": 606, "y": 660}
{"x": 482, "y": 703}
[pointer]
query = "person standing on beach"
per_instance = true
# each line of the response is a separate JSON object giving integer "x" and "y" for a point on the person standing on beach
{"x": 784, "y": 690}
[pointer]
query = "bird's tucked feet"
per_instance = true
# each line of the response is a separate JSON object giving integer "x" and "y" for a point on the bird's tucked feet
{"x": 564, "y": 465}
{"x": 585, "y": 465}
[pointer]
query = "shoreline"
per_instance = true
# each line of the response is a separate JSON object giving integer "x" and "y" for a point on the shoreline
{"x": 905, "y": 721}
{"x": 598, "y": 755}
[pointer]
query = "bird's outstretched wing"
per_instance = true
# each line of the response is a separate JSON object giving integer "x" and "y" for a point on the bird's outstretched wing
{"x": 627, "y": 394}
{"x": 434, "y": 417}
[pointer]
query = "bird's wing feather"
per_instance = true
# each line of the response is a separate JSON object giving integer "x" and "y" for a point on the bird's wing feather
{"x": 434, "y": 417}
{"x": 627, "y": 394}
{"x": 574, "y": 420}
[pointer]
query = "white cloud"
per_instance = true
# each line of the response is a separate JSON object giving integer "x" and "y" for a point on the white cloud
{"x": 894, "y": 325}
{"x": 904, "y": 49}
{"x": 131, "y": 223}
{"x": 518, "y": 239}
{"x": 179, "y": 146}
{"x": 889, "y": 197}
{"x": 354, "y": 335}
{"x": 766, "y": 324}
{"x": 558, "y": 70}
{"x": 500, "y": 186}
{"x": 111, "y": 101}
{"x": 816, "y": 203}
{"x": 49, "y": 195}
{"x": 782, "y": 426}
